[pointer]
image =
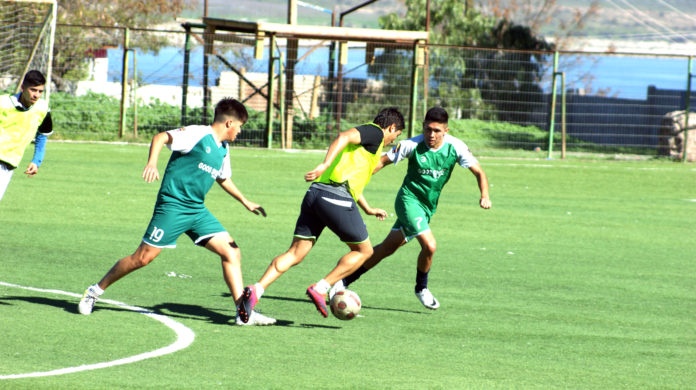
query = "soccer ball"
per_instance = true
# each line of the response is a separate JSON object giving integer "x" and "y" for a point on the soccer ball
{"x": 345, "y": 305}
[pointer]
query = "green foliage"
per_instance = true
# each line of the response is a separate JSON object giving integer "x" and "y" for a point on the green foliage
{"x": 477, "y": 80}
{"x": 75, "y": 45}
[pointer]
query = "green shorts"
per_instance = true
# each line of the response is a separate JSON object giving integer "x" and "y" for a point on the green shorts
{"x": 412, "y": 217}
{"x": 169, "y": 222}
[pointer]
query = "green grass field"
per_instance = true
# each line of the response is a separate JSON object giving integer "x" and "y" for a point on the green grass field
{"x": 582, "y": 276}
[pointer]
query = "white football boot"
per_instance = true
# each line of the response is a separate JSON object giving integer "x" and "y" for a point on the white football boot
{"x": 427, "y": 299}
{"x": 88, "y": 299}
{"x": 256, "y": 319}
{"x": 337, "y": 287}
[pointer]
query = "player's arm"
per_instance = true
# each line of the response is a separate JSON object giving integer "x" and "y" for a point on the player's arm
{"x": 379, "y": 213}
{"x": 351, "y": 136}
{"x": 482, "y": 180}
{"x": 150, "y": 172}
{"x": 42, "y": 133}
{"x": 229, "y": 187}
{"x": 383, "y": 162}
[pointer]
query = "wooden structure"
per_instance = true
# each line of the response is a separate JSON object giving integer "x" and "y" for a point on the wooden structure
{"x": 225, "y": 30}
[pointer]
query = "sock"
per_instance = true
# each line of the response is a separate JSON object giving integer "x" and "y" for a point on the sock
{"x": 354, "y": 276}
{"x": 421, "y": 280}
{"x": 259, "y": 290}
{"x": 96, "y": 289}
{"x": 322, "y": 287}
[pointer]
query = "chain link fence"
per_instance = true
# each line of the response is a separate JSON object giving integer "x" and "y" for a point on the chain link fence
{"x": 498, "y": 100}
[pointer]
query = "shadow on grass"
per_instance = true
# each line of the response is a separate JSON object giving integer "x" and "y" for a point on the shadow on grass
{"x": 364, "y": 306}
{"x": 182, "y": 311}
{"x": 69, "y": 306}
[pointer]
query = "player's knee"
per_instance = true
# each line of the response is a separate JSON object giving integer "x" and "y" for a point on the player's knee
{"x": 366, "y": 252}
{"x": 232, "y": 255}
{"x": 141, "y": 259}
{"x": 430, "y": 247}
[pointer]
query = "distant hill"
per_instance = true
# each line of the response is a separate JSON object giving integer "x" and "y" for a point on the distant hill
{"x": 640, "y": 20}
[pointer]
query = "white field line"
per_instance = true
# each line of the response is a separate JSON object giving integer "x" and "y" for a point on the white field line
{"x": 184, "y": 338}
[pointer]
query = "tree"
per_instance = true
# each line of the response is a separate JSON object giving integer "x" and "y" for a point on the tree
{"x": 472, "y": 81}
{"x": 75, "y": 41}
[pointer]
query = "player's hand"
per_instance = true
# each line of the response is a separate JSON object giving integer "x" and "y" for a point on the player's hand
{"x": 32, "y": 170}
{"x": 379, "y": 213}
{"x": 256, "y": 209}
{"x": 315, "y": 173}
{"x": 150, "y": 173}
{"x": 485, "y": 203}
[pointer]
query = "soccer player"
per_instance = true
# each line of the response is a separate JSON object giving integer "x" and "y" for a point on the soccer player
{"x": 23, "y": 117}
{"x": 431, "y": 159}
{"x": 338, "y": 183}
{"x": 200, "y": 157}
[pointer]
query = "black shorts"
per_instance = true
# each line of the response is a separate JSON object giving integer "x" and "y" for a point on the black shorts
{"x": 321, "y": 208}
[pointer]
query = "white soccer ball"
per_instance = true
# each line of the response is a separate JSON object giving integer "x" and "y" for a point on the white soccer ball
{"x": 345, "y": 305}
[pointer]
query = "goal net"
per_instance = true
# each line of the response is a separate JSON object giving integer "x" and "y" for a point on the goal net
{"x": 27, "y": 31}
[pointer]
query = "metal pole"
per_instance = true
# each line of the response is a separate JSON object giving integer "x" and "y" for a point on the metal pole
{"x": 206, "y": 91}
{"x": 124, "y": 81}
{"x": 688, "y": 109}
{"x": 552, "y": 119}
{"x": 135, "y": 93}
{"x": 281, "y": 99}
{"x": 418, "y": 61}
{"x": 184, "y": 88}
{"x": 563, "y": 116}
{"x": 426, "y": 71}
{"x": 269, "y": 105}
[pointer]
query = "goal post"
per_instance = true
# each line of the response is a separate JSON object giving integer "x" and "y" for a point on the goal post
{"x": 27, "y": 35}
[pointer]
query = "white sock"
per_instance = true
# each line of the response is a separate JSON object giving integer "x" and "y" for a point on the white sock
{"x": 322, "y": 287}
{"x": 259, "y": 290}
{"x": 96, "y": 289}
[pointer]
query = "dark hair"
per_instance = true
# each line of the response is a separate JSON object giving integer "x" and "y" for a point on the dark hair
{"x": 33, "y": 78}
{"x": 436, "y": 114}
{"x": 388, "y": 117}
{"x": 229, "y": 108}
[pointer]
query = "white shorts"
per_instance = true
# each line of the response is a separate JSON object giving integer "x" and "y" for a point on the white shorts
{"x": 5, "y": 176}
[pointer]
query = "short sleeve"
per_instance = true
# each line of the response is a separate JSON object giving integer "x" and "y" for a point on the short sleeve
{"x": 464, "y": 156}
{"x": 226, "y": 170}
{"x": 185, "y": 138}
{"x": 371, "y": 137}
{"x": 403, "y": 149}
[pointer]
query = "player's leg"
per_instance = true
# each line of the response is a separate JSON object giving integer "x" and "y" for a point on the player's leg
{"x": 425, "y": 261}
{"x": 386, "y": 248}
{"x": 142, "y": 256}
{"x": 343, "y": 218}
{"x": 166, "y": 225}
{"x": 5, "y": 175}
{"x": 231, "y": 260}
{"x": 298, "y": 250}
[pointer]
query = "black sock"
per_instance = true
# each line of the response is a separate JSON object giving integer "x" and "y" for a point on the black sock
{"x": 421, "y": 280}
{"x": 354, "y": 276}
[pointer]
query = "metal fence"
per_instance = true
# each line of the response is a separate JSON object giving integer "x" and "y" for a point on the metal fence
{"x": 497, "y": 99}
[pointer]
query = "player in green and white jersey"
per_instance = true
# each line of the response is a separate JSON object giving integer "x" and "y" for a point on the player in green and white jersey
{"x": 200, "y": 157}
{"x": 431, "y": 159}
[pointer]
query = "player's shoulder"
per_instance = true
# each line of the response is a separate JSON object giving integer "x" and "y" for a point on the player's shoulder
{"x": 195, "y": 129}
{"x": 6, "y": 101}
{"x": 456, "y": 143}
{"x": 414, "y": 140}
